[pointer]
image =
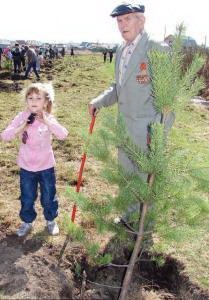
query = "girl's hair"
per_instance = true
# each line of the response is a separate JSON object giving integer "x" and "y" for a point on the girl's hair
{"x": 45, "y": 88}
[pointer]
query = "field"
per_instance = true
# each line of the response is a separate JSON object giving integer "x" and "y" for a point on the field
{"x": 28, "y": 267}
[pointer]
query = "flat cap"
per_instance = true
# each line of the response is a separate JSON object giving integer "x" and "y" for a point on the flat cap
{"x": 124, "y": 9}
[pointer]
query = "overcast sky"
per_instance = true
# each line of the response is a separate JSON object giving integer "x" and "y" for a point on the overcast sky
{"x": 89, "y": 20}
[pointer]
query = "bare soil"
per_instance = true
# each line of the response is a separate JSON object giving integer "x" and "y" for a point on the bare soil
{"x": 30, "y": 270}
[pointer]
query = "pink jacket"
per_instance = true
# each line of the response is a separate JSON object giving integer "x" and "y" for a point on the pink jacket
{"x": 36, "y": 154}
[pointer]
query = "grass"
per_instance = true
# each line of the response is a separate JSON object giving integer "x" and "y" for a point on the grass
{"x": 190, "y": 134}
{"x": 77, "y": 80}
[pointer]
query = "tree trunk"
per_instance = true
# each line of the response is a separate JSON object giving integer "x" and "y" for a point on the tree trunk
{"x": 137, "y": 247}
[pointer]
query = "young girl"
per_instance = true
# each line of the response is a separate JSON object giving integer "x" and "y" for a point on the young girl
{"x": 35, "y": 126}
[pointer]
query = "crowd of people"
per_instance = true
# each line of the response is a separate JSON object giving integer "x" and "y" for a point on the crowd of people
{"x": 25, "y": 58}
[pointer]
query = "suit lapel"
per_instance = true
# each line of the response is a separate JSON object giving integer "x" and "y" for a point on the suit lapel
{"x": 138, "y": 51}
{"x": 117, "y": 63}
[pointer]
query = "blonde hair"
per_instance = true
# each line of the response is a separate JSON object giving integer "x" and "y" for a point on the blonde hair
{"x": 45, "y": 88}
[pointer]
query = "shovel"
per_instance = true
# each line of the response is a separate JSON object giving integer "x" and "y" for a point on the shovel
{"x": 83, "y": 159}
{"x": 73, "y": 215}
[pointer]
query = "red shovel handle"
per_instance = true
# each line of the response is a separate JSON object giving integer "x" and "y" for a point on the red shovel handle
{"x": 92, "y": 124}
{"x": 83, "y": 159}
{"x": 73, "y": 213}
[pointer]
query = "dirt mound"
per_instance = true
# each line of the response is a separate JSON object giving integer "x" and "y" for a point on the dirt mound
{"x": 5, "y": 74}
{"x": 10, "y": 86}
{"x": 15, "y": 76}
{"x": 29, "y": 271}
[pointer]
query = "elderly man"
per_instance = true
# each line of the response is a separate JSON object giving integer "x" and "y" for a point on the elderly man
{"x": 132, "y": 88}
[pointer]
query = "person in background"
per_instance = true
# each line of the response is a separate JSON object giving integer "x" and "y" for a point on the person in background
{"x": 56, "y": 51}
{"x": 51, "y": 53}
{"x": 46, "y": 53}
{"x": 1, "y": 51}
{"x": 7, "y": 53}
{"x": 40, "y": 60}
{"x": 110, "y": 55}
{"x": 22, "y": 57}
{"x": 32, "y": 61}
{"x": 132, "y": 89}
{"x": 72, "y": 51}
{"x": 62, "y": 51}
{"x": 104, "y": 55}
{"x": 35, "y": 127}
{"x": 16, "y": 56}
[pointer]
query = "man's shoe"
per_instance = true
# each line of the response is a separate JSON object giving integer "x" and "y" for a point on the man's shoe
{"x": 52, "y": 227}
{"x": 24, "y": 229}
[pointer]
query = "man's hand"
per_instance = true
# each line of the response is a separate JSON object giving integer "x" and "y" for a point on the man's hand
{"x": 92, "y": 110}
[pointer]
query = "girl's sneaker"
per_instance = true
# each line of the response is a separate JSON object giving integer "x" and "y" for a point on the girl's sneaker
{"x": 24, "y": 229}
{"x": 52, "y": 227}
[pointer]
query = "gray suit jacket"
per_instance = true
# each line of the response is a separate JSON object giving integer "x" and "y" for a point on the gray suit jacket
{"x": 134, "y": 99}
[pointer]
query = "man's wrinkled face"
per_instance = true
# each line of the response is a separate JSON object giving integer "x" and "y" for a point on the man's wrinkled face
{"x": 130, "y": 25}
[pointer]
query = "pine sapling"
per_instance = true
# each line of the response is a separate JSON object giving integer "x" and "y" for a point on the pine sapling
{"x": 171, "y": 89}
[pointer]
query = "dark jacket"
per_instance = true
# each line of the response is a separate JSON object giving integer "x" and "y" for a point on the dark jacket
{"x": 16, "y": 54}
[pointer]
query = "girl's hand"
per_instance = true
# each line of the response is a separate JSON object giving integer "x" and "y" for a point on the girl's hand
{"x": 39, "y": 116}
{"x": 42, "y": 117}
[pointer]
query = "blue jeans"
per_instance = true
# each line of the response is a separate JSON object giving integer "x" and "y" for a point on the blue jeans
{"x": 29, "y": 190}
{"x": 31, "y": 65}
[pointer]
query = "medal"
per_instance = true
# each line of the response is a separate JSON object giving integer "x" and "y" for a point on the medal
{"x": 143, "y": 76}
